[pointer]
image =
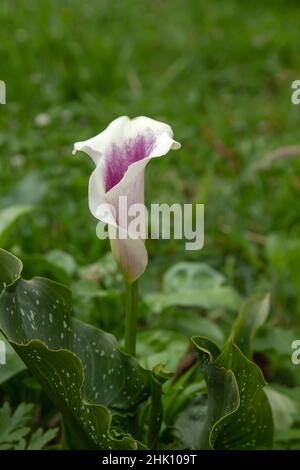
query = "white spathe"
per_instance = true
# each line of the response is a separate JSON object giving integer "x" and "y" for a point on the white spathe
{"x": 121, "y": 153}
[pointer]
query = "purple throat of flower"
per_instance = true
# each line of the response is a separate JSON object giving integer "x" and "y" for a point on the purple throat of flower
{"x": 119, "y": 158}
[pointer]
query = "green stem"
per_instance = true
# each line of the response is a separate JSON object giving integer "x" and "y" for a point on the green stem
{"x": 131, "y": 317}
{"x": 156, "y": 413}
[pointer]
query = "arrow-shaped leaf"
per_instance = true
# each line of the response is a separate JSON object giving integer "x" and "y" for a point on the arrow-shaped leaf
{"x": 237, "y": 414}
{"x": 251, "y": 426}
{"x": 222, "y": 393}
{"x": 252, "y": 316}
{"x": 10, "y": 269}
{"x": 9, "y": 217}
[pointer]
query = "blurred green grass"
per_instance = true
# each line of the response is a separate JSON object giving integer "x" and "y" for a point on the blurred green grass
{"x": 218, "y": 72}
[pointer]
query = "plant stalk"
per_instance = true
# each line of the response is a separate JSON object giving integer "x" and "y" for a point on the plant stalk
{"x": 131, "y": 317}
{"x": 156, "y": 413}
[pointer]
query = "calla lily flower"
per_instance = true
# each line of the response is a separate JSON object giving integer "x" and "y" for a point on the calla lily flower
{"x": 121, "y": 153}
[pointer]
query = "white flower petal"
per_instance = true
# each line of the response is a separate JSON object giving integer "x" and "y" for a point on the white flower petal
{"x": 125, "y": 142}
{"x": 131, "y": 255}
{"x": 162, "y": 146}
{"x": 96, "y": 146}
{"x": 96, "y": 189}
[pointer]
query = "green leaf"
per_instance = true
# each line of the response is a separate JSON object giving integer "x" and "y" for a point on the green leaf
{"x": 10, "y": 268}
{"x": 237, "y": 414}
{"x": 161, "y": 347}
{"x": 251, "y": 426}
{"x": 189, "y": 425}
{"x": 62, "y": 260}
{"x": 40, "y": 438}
{"x": 193, "y": 285}
{"x": 21, "y": 193}
{"x": 14, "y": 429}
{"x": 94, "y": 305}
{"x": 56, "y": 264}
{"x": 252, "y": 316}
{"x": 223, "y": 395}
{"x": 13, "y": 365}
{"x": 80, "y": 367}
{"x": 159, "y": 377}
{"x": 186, "y": 322}
{"x": 275, "y": 339}
{"x": 13, "y": 426}
{"x": 9, "y": 217}
{"x": 179, "y": 394}
{"x": 284, "y": 409}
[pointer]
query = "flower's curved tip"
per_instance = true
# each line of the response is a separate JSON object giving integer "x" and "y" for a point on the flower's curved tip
{"x": 80, "y": 147}
{"x": 76, "y": 148}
